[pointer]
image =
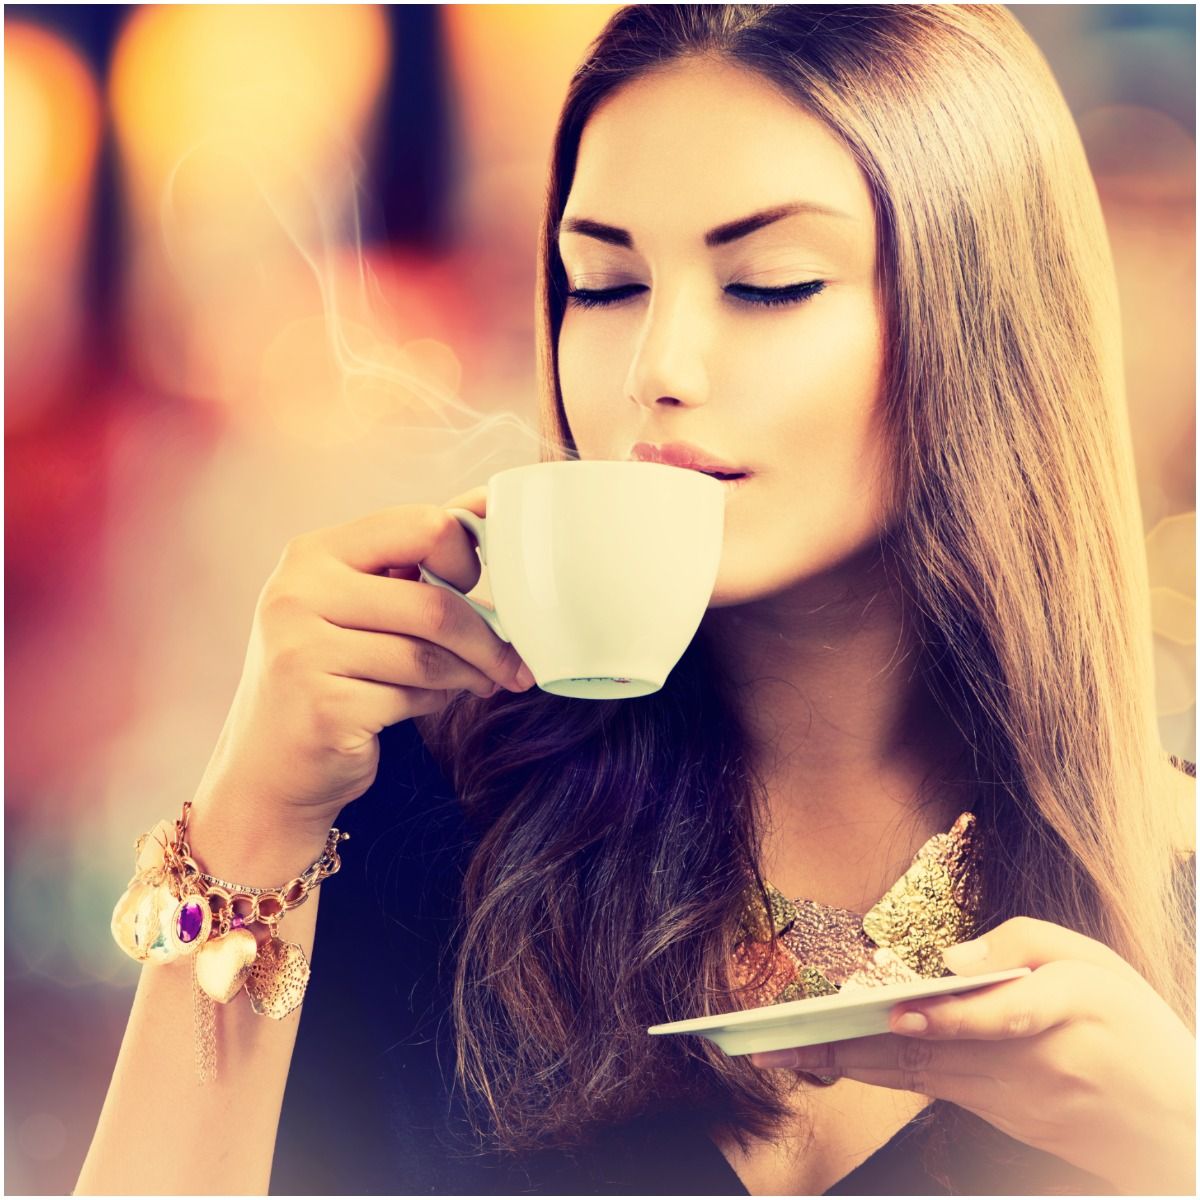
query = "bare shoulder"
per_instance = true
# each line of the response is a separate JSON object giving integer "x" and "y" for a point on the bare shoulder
{"x": 1179, "y": 784}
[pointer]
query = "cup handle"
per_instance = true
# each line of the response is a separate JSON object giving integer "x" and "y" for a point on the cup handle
{"x": 477, "y": 527}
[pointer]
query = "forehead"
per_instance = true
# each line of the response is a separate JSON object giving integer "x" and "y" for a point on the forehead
{"x": 701, "y": 142}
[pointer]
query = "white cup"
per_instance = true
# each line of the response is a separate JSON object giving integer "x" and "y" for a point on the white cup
{"x": 600, "y": 571}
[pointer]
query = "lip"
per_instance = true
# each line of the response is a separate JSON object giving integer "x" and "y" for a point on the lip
{"x": 692, "y": 458}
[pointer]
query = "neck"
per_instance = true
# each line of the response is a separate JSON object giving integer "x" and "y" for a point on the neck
{"x": 845, "y": 736}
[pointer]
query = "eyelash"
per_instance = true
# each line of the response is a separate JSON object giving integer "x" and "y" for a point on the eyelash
{"x": 796, "y": 293}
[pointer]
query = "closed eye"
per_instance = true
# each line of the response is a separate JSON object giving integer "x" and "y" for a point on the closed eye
{"x": 795, "y": 293}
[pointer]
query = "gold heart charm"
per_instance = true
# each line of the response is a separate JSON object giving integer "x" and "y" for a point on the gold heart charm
{"x": 222, "y": 963}
{"x": 278, "y": 978}
{"x": 150, "y": 847}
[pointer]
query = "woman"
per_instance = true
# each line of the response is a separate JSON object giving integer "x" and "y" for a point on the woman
{"x": 932, "y": 601}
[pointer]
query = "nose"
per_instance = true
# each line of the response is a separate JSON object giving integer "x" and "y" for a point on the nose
{"x": 668, "y": 368}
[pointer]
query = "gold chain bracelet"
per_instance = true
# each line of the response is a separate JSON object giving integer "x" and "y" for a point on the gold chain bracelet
{"x": 171, "y": 909}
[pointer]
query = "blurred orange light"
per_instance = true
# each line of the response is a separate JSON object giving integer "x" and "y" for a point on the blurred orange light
{"x": 508, "y": 114}
{"x": 51, "y": 123}
{"x": 51, "y": 136}
{"x": 1171, "y": 561}
{"x": 281, "y": 81}
{"x": 487, "y": 40}
{"x": 1171, "y": 554}
{"x": 242, "y": 134}
{"x": 1174, "y": 615}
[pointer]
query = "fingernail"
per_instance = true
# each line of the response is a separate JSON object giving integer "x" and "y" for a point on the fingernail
{"x": 965, "y": 953}
{"x": 911, "y": 1022}
{"x": 774, "y": 1058}
{"x": 525, "y": 677}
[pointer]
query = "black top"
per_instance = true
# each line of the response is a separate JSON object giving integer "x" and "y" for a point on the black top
{"x": 368, "y": 1108}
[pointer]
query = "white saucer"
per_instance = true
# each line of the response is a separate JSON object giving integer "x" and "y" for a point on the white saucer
{"x": 858, "y": 1013}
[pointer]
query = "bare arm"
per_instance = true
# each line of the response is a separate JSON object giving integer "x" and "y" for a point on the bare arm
{"x": 162, "y": 1132}
{"x": 336, "y": 654}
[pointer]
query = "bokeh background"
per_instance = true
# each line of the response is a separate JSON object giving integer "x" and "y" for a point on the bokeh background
{"x": 270, "y": 268}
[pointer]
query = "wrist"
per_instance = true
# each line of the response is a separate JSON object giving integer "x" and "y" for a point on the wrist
{"x": 235, "y": 843}
{"x": 1166, "y": 1168}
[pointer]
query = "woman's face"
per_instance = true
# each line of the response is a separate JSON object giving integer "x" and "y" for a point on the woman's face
{"x": 789, "y": 392}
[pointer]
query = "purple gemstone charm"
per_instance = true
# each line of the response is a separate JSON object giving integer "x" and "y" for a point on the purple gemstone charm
{"x": 191, "y": 924}
{"x": 191, "y": 920}
{"x": 236, "y": 922}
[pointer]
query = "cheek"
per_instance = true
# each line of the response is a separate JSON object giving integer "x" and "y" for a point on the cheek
{"x": 584, "y": 382}
{"x": 797, "y": 527}
{"x": 833, "y": 354}
{"x": 818, "y": 392}
{"x": 832, "y": 371}
{"x": 824, "y": 495}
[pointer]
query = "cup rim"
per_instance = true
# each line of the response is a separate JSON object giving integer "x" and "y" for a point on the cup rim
{"x": 596, "y": 462}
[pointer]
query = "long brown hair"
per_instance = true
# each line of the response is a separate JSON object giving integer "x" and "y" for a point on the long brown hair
{"x": 618, "y": 838}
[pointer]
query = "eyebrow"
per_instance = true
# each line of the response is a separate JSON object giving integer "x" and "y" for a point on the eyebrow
{"x": 720, "y": 236}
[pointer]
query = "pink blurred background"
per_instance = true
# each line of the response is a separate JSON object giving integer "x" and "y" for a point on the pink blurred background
{"x": 270, "y": 268}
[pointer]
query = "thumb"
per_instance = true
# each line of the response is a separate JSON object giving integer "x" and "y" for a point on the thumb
{"x": 1029, "y": 942}
{"x": 969, "y": 958}
{"x": 474, "y": 500}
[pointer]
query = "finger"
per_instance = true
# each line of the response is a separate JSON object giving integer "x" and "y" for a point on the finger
{"x": 403, "y": 661}
{"x": 884, "y": 1052}
{"x": 1052, "y": 995}
{"x": 1029, "y": 942}
{"x": 366, "y": 707}
{"x": 371, "y": 605}
{"x": 474, "y": 499}
{"x": 401, "y": 537}
{"x": 979, "y": 1093}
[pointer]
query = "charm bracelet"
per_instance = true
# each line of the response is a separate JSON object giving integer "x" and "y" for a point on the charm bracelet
{"x": 172, "y": 909}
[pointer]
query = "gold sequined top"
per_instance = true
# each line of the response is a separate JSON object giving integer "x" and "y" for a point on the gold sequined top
{"x": 822, "y": 949}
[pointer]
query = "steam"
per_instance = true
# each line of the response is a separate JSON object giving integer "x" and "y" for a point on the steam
{"x": 312, "y": 204}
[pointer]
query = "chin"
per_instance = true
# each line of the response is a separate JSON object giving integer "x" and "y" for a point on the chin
{"x": 744, "y": 575}
{"x": 821, "y": 576}
{"x": 739, "y": 588}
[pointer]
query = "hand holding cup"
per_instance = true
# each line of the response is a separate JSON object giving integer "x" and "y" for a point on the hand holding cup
{"x": 346, "y": 640}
